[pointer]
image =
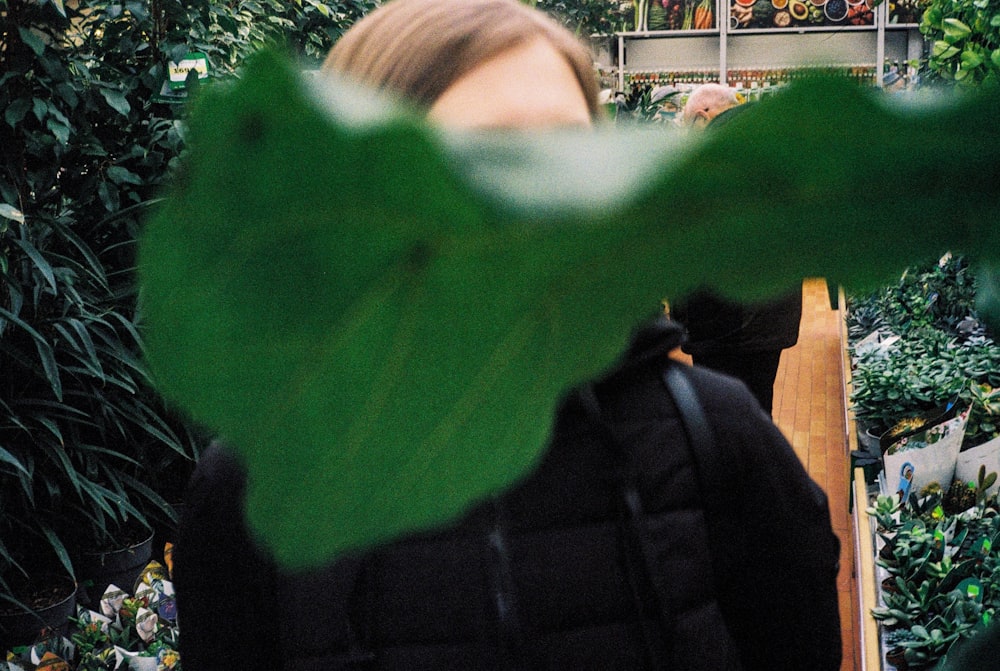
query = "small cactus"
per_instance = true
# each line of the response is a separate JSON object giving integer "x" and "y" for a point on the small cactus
{"x": 959, "y": 497}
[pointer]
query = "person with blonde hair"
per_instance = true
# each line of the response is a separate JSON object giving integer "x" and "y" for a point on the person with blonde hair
{"x": 647, "y": 537}
{"x": 422, "y": 49}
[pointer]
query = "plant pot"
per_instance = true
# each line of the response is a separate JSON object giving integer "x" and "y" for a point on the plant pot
{"x": 53, "y": 601}
{"x": 165, "y": 531}
{"x": 868, "y": 438}
{"x": 119, "y": 567}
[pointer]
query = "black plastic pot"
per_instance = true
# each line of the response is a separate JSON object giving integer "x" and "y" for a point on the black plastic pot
{"x": 18, "y": 627}
{"x": 119, "y": 567}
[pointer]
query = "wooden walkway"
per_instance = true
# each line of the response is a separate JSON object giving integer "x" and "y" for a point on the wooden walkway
{"x": 809, "y": 410}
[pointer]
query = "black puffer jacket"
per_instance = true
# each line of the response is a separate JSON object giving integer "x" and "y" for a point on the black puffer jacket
{"x": 554, "y": 574}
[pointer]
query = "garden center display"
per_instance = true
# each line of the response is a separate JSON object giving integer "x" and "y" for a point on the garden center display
{"x": 925, "y": 381}
{"x": 132, "y": 627}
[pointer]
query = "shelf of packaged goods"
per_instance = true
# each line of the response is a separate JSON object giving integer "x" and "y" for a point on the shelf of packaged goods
{"x": 800, "y": 30}
{"x": 726, "y": 49}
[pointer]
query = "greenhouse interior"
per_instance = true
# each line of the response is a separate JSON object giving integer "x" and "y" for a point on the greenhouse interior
{"x": 500, "y": 334}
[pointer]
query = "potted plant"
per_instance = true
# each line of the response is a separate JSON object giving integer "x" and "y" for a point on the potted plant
{"x": 908, "y": 377}
{"x": 916, "y": 345}
{"x": 940, "y": 571}
{"x": 88, "y": 453}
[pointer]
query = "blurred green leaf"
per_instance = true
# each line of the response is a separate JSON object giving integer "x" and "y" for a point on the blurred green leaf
{"x": 943, "y": 50}
{"x": 380, "y": 317}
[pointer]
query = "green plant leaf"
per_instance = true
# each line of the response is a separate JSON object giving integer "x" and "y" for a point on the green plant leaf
{"x": 971, "y": 59}
{"x": 11, "y": 212}
{"x": 379, "y": 317}
{"x": 59, "y": 129}
{"x": 943, "y": 50}
{"x": 116, "y": 100}
{"x": 45, "y": 354}
{"x": 36, "y": 258}
{"x": 120, "y": 175}
{"x": 33, "y": 40}
{"x": 16, "y": 111}
{"x": 60, "y": 549}
{"x": 9, "y": 458}
{"x": 955, "y": 30}
{"x": 58, "y": 4}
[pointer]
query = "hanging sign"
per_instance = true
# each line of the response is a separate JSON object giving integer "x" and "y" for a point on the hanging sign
{"x": 178, "y": 72}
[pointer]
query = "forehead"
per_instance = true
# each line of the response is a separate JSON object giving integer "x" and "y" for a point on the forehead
{"x": 530, "y": 85}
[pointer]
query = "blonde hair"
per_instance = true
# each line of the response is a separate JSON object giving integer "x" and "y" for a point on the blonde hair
{"x": 418, "y": 48}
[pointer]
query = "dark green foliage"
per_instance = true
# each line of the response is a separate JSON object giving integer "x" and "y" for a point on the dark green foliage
{"x": 944, "y": 351}
{"x": 86, "y": 447}
{"x": 938, "y": 295}
{"x": 591, "y": 17}
{"x": 932, "y": 546}
{"x": 965, "y": 41}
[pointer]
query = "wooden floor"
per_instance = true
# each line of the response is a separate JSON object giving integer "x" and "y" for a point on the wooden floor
{"x": 809, "y": 410}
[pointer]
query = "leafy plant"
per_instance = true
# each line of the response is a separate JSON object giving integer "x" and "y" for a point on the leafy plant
{"x": 592, "y": 17}
{"x": 932, "y": 556}
{"x": 983, "y": 482}
{"x": 940, "y": 295}
{"x": 965, "y": 41}
{"x": 984, "y": 415}
{"x": 87, "y": 448}
{"x": 907, "y": 378}
{"x": 643, "y": 103}
{"x": 886, "y": 511}
{"x": 934, "y": 348}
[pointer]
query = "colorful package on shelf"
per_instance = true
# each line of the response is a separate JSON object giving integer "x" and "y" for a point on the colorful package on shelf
{"x": 925, "y": 454}
{"x": 800, "y": 13}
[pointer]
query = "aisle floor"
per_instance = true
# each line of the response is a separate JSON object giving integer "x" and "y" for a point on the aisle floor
{"x": 809, "y": 410}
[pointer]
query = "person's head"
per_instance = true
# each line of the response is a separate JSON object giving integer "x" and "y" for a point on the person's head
{"x": 706, "y": 102}
{"x": 472, "y": 63}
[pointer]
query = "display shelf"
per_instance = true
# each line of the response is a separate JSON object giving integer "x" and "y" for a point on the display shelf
{"x": 799, "y": 30}
{"x": 726, "y": 49}
{"x": 653, "y": 34}
{"x": 869, "y": 636}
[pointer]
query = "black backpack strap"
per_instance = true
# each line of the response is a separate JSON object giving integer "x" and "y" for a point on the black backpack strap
{"x": 696, "y": 428}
